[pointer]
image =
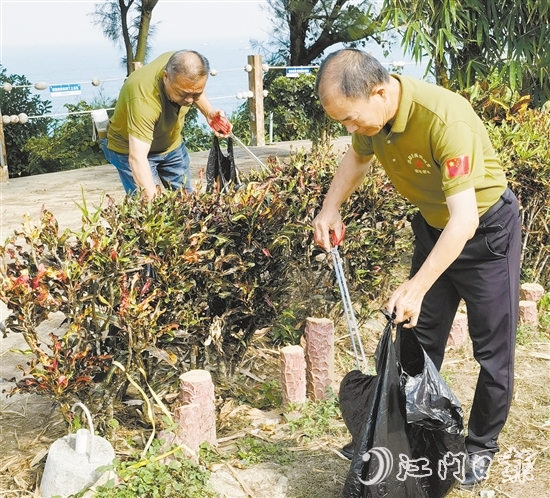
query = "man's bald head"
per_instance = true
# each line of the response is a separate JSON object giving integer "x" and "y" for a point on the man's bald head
{"x": 350, "y": 73}
{"x": 188, "y": 63}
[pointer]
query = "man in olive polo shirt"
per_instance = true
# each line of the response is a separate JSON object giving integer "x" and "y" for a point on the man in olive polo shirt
{"x": 437, "y": 154}
{"x": 144, "y": 140}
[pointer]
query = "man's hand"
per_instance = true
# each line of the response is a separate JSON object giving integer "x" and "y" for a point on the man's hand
{"x": 220, "y": 124}
{"x": 325, "y": 222}
{"x": 406, "y": 302}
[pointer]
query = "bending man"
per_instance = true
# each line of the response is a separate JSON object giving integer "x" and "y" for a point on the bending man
{"x": 437, "y": 153}
{"x": 144, "y": 140}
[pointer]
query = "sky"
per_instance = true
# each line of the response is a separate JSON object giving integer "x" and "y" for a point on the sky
{"x": 54, "y": 22}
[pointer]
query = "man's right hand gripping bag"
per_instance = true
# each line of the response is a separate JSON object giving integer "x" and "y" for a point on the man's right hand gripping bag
{"x": 410, "y": 441}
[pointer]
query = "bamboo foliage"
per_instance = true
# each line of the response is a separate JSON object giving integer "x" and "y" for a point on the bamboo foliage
{"x": 468, "y": 41}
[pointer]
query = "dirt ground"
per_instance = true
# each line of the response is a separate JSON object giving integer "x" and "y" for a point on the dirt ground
{"x": 29, "y": 423}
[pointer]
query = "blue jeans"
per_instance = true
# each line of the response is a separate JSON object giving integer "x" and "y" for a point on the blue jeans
{"x": 169, "y": 170}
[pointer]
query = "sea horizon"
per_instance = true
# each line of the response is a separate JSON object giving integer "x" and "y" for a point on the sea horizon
{"x": 64, "y": 64}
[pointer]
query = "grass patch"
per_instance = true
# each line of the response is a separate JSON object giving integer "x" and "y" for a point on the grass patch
{"x": 317, "y": 419}
{"x": 156, "y": 476}
{"x": 252, "y": 451}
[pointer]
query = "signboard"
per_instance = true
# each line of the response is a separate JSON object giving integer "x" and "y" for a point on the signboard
{"x": 294, "y": 72}
{"x": 64, "y": 90}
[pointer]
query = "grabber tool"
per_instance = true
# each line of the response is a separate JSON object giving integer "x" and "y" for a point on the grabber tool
{"x": 356, "y": 341}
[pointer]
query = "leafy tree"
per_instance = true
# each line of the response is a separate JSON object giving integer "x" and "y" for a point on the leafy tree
{"x": 127, "y": 23}
{"x": 21, "y": 100}
{"x": 467, "y": 41}
{"x": 304, "y": 29}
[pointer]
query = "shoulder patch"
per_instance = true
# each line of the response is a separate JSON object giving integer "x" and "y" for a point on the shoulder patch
{"x": 458, "y": 166}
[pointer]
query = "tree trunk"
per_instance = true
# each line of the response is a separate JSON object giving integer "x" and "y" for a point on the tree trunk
{"x": 147, "y": 7}
{"x": 126, "y": 34}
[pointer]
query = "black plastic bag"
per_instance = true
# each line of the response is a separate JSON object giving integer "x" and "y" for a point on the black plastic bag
{"x": 406, "y": 425}
{"x": 221, "y": 171}
{"x": 435, "y": 420}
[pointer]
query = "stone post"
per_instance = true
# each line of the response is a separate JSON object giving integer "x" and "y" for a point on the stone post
{"x": 531, "y": 292}
{"x": 196, "y": 417}
{"x": 293, "y": 375}
{"x": 459, "y": 330}
{"x": 528, "y": 314}
{"x": 319, "y": 337}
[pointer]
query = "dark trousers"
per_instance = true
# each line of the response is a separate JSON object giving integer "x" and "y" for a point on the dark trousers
{"x": 486, "y": 276}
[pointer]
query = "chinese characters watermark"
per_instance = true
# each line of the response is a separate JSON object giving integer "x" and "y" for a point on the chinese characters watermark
{"x": 517, "y": 466}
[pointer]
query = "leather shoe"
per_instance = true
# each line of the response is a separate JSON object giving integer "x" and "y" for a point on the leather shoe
{"x": 348, "y": 450}
{"x": 477, "y": 470}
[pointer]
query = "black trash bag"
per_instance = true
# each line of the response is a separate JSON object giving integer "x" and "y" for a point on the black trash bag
{"x": 391, "y": 454}
{"x": 221, "y": 170}
{"x": 435, "y": 420}
{"x": 356, "y": 389}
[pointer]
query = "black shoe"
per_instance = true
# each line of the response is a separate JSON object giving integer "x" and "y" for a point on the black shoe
{"x": 477, "y": 470}
{"x": 348, "y": 450}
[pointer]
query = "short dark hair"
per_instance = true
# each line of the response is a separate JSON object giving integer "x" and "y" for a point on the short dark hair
{"x": 188, "y": 63}
{"x": 352, "y": 72}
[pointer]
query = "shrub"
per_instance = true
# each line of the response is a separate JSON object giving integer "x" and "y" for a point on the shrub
{"x": 197, "y": 137}
{"x": 521, "y": 140}
{"x": 70, "y": 144}
{"x": 184, "y": 281}
{"x": 17, "y": 101}
{"x": 297, "y": 112}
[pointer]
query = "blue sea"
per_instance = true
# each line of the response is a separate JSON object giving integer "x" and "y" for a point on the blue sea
{"x": 74, "y": 64}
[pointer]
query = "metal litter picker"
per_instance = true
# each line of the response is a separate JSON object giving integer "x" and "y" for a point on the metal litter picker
{"x": 347, "y": 304}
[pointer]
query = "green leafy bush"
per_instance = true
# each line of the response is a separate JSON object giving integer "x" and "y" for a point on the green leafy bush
{"x": 156, "y": 477}
{"x": 197, "y": 137}
{"x": 70, "y": 144}
{"x": 297, "y": 112}
{"x": 521, "y": 140}
{"x": 520, "y": 135}
{"x": 150, "y": 290}
{"x": 17, "y": 101}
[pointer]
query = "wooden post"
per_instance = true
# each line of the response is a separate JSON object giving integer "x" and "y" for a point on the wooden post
{"x": 4, "y": 175}
{"x": 256, "y": 86}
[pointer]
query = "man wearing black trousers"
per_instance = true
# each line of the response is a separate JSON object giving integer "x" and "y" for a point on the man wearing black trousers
{"x": 437, "y": 153}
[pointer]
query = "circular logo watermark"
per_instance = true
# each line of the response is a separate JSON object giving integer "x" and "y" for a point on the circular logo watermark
{"x": 385, "y": 465}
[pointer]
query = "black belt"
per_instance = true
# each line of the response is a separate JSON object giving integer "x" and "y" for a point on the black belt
{"x": 503, "y": 199}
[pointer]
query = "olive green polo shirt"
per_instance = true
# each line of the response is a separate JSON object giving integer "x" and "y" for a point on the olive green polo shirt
{"x": 144, "y": 111}
{"x": 436, "y": 147}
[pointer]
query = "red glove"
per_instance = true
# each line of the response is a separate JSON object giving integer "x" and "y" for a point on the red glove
{"x": 221, "y": 124}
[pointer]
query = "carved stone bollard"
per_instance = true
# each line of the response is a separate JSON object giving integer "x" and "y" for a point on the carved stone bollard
{"x": 293, "y": 375}
{"x": 459, "y": 331}
{"x": 196, "y": 417}
{"x": 319, "y": 337}
{"x": 531, "y": 292}
{"x": 528, "y": 313}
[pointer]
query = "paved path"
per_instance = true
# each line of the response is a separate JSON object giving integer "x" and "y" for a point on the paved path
{"x": 59, "y": 192}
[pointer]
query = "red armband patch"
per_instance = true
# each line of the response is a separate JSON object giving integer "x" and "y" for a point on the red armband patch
{"x": 458, "y": 166}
